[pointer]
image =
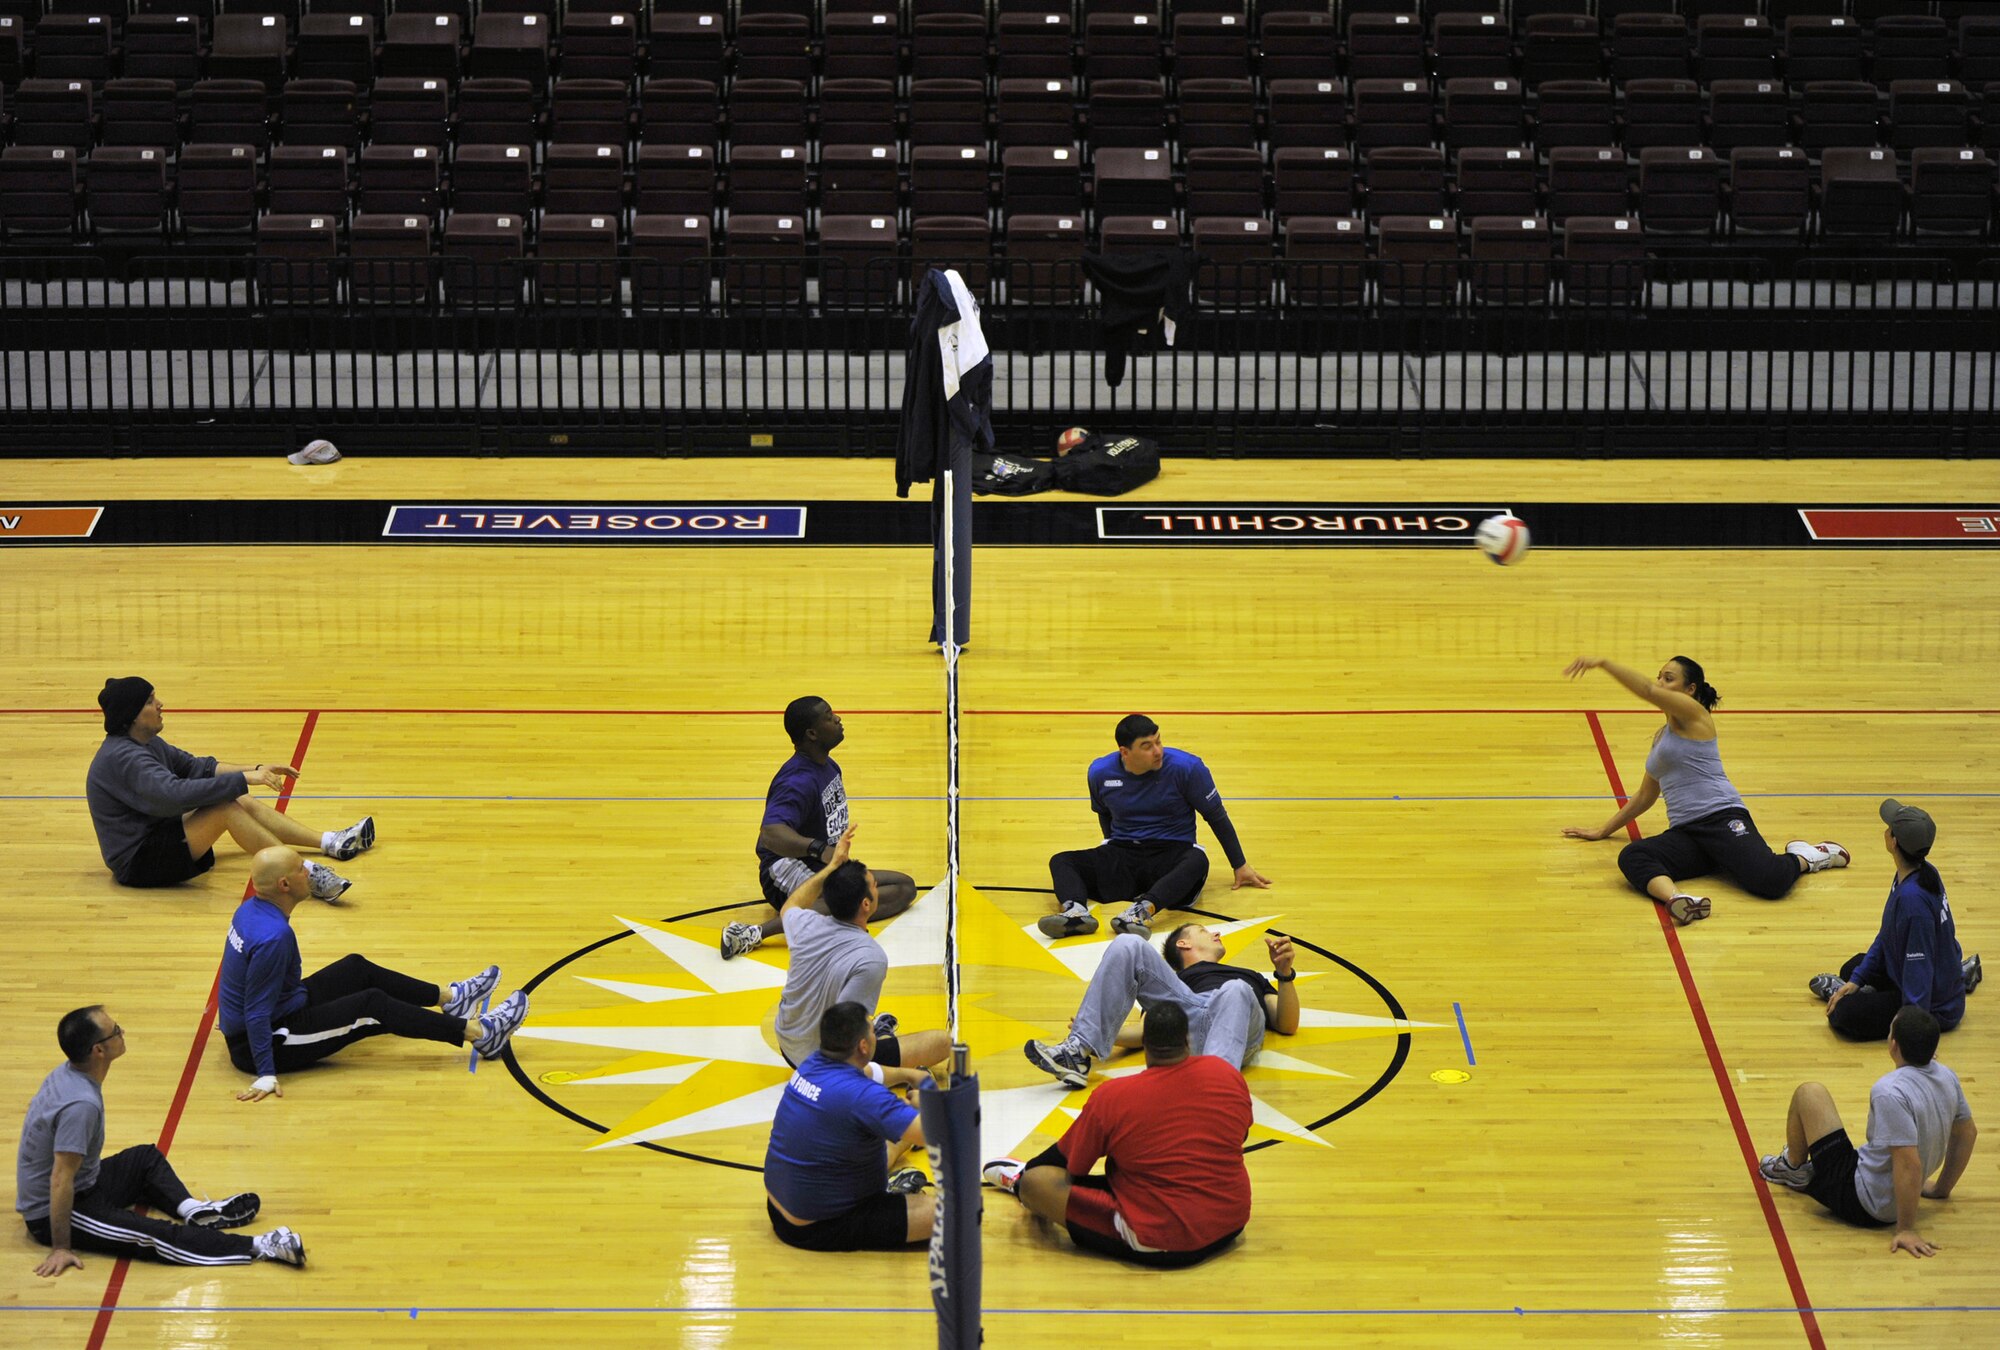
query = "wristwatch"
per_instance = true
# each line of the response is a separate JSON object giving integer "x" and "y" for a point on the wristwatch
{"x": 1284, "y": 979}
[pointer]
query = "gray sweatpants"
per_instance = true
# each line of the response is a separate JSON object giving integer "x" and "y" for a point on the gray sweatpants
{"x": 1227, "y": 1021}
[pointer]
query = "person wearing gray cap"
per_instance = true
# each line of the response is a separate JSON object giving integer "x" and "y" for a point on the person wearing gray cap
{"x": 159, "y": 810}
{"x": 1915, "y": 959}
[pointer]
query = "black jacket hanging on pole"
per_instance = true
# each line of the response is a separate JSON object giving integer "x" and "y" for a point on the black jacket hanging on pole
{"x": 948, "y": 380}
{"x": 1142, "y": 291}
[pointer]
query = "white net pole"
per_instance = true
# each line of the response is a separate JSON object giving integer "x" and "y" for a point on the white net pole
{"x": 949, "y": 647}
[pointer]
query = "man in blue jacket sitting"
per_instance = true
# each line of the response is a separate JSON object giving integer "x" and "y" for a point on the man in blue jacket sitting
{"x": 275, "y": 1022}
{"x": 1146, "y": 797}
{"x": 1915, "y": 959}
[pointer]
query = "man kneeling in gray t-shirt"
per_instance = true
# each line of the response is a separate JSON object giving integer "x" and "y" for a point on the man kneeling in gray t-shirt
{"x": 1918, "y": 1120}
{"x": 834, "y": 960}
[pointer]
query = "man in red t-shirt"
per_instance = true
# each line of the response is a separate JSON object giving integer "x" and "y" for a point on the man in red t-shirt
{"x": 1174, "y": 1189}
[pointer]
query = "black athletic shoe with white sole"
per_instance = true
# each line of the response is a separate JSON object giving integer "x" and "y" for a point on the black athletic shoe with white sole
{"x": 1069, "y": 1066}
{"x": 1069, "y": 921}
{"x": 232, "y": 1212}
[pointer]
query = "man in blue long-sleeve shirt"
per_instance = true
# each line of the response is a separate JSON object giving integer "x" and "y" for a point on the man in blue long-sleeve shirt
{"x": 1915, "y": 958}
{"x": 158, "y": 810}
{"x": 274, "y": 1021}
{"x": 1146, "y": 797}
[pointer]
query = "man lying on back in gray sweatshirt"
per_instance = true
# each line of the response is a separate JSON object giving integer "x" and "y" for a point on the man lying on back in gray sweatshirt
{"x": 159, "y": 810}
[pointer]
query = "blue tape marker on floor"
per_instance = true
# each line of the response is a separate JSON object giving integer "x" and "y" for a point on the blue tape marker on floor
{"x": 1463, "y": 1034}
{"x": 472, "y": 1067}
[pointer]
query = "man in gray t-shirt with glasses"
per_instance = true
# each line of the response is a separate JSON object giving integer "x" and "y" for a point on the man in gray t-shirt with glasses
{"x": 74, "y": 1199}
{"x": 1918, "y": 1121}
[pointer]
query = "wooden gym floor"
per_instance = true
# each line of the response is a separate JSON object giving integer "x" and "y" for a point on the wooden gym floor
{"x": 1524, "y": 1112}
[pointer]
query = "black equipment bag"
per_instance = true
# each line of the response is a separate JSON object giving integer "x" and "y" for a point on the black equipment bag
{"x": 1108, "y": 466}
{"x": 1011, "y": 475}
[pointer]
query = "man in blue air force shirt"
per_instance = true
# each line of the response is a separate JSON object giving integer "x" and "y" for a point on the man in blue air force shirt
{"x": 826, "y": 1173}
{"x": 1146, "y": 797}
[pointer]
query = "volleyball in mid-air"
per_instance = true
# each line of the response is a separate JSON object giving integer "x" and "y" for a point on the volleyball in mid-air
{"x": 1504, "y": 539}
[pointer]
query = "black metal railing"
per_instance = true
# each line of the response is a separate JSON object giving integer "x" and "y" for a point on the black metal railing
{"x": 1300, "y": 355}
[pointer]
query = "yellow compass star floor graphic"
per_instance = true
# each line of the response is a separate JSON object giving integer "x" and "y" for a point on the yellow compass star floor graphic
{"x": 684, "y": 1060}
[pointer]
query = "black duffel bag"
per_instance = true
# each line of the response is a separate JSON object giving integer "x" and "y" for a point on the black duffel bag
{"x": 1108, "y": 466}
{"x": 1011, "y": 475}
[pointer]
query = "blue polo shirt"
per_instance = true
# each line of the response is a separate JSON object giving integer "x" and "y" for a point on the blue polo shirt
{"x": 826, "y": 1153}
{"x": 1160, "y": 806}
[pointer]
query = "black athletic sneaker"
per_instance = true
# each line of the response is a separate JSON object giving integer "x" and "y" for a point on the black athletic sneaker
{"x": 1071, "y": 1067}
{"x": 232, "y": 1212}
{"x": 1973, "y": 972}
{"x": 908, "y": 1181}
{"x": 1069, "y": 921}
{"x": 884, "y": 1025}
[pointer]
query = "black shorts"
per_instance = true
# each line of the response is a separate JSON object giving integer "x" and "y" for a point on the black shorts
{"x": 881, "y": 1223}
{"x": 163, "y": 858}
{"x": 773, "y": 896}
{"x": 888, "y": 1053}
{"x": 1834, "y": 1164}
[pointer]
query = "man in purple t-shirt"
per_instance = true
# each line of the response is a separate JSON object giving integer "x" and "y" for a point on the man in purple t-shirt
{"x": 805, "y": 813}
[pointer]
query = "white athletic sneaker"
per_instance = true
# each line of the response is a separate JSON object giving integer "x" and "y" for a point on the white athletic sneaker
{"x": 327, "y": 884}
{"x": 1818, "y": 857}
{"x": 462, "y": 998}
{"x": 1686, "y": 909}
{"x": 1778, "y": 1167}
{"x": 738, "y": 938}
{"x": 1003, "y": 1173}
{"x": 353, "y": 841}
{"x": 280, "y": 1244}
{"x": 498, "y": 1026}
{"x": 315, "y": 452}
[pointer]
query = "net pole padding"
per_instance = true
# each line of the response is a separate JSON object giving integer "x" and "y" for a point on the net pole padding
{"x": 949, "y": 1106}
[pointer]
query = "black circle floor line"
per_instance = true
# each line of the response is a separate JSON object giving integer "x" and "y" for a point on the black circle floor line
{"x": 1387, "y": 1076}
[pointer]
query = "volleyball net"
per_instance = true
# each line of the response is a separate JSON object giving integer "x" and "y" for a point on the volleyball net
{"x": 950, "y": 1102}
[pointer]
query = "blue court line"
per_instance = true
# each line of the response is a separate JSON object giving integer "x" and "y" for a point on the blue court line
{"x": 1878, "y": 794}
{"x": 210, "y": 1310}
{"x": 1463, "y": 1034}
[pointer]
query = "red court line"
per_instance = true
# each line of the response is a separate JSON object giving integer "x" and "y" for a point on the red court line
{"x": 1721, "y": 1072}
{"x": 107, "y": 1305}
{"x": 1043, "y": 712}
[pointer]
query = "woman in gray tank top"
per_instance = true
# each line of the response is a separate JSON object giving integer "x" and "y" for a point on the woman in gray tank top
{"x": 1709, "y": 829}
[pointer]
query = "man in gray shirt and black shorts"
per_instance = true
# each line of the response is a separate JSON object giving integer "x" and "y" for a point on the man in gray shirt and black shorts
{"x": 834, "y": 960}
{"x": 1918, "y": 1122}
{"x": 158, "y": 810}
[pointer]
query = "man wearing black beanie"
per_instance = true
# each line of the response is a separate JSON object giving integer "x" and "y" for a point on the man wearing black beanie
{"x": 159, "y": 810}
